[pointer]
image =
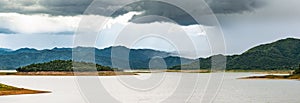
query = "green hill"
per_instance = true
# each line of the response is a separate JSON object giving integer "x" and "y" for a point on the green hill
{"x": 280, "y": 55}
{"x": 63, "y": 66}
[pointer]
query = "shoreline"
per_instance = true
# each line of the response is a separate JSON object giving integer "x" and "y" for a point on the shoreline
{"x": 136, "y": 72}
{"x": 100, "y": 73}
{"x": 175, "y": 71}
{"x": 6, "y": 90}
{"x": 261, "y": 71}
{"x": 275, "y": 77}
{"x": 209, "y": 71}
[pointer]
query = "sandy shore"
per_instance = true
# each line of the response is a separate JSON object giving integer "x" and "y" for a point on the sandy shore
{"x": 10, "y": 90}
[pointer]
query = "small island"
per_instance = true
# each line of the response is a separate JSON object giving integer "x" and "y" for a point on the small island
{"x": 67, "y": 68}
{"x": 294, "y": 75}
{"x": 10, "y": 90}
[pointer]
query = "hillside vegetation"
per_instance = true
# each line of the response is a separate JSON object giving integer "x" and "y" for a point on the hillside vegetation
{"x": 280, "y": 55}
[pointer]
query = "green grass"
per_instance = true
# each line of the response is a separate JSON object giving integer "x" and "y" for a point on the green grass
{"x": 10, "y": 90}
{"x": 6, "y": 87}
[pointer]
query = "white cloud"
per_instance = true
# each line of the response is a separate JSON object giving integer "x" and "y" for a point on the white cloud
{"x": 122, "y": 19}
{"x": 46, "y": 24}
{"x": 194, "y": 30}
{"x": 120, "y": 29}
{"x": 38, "y": 24}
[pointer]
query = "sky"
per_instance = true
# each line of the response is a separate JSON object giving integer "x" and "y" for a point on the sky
{"x": 45, "y": 24}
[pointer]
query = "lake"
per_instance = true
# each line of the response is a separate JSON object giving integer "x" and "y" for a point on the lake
{"x": 156, "y": 87}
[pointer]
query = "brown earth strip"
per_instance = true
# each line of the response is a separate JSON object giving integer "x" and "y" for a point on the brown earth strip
{"x": 102, "y": 73}
{"x": 10, "y": 90}
{"x": 273, "y": 77}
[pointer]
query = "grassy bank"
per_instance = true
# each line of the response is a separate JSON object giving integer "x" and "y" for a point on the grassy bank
{"x": 10, "y": 90}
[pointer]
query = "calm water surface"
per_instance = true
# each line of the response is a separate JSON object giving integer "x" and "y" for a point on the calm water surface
{"x": 66, "y": 90}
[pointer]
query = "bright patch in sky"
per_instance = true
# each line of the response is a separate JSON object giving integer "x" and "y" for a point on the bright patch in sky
{"x": 38, "y": 24}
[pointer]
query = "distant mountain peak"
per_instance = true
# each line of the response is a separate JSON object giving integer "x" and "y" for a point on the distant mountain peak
{"x": 5, "y": 49}
{"x": 281, "y": 45}
{"x": 27, "y": 49}
{"x": 117, "y": 47}
{"x": 289, "y": 38}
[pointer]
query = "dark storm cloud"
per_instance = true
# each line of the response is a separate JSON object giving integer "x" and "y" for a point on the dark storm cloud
{"x": 183, "y": 18}
{"x": 235, "y": 6}
{"x": 60, "y": 7}
{"x": 64, "y": 7}
{"x": 75, "y": 7}
{"x": 154, "y": 11}
{"x": 107, "y": 7}
{"x": 52, "y": 7}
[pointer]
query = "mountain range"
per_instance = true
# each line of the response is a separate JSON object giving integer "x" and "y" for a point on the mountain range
{"x": 137, "y": 58}
{"x": 281, "y": 54}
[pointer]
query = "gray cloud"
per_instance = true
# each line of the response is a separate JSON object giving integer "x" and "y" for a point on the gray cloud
{"x": 235, "y": 6}
{"x": 106, "y": 7}
{"x": 60, "y": 7}
{"x": 52, "y": 7}
{"x": 154, "y": 11}
{"x": 75, "y": 7}
{"x": 183, "y": 18}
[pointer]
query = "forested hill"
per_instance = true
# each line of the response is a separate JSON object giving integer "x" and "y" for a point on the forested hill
{"x": 282, "y": 54}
